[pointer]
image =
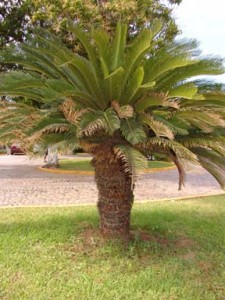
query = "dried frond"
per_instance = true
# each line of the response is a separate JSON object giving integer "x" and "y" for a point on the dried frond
{"x": 73, "y": 115}
{"x": 30, "y": 120}
{"x": 88, "y": 147}
{"x": 125, "y": 111}
{"x": 92, "y": 128}
{"x": 55, "y": 128}
{"x": 160, "y": 129}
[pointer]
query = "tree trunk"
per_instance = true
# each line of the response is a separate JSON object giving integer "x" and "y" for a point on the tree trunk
{"x": 52, "y": 161}
{"x": 115, "y": 196}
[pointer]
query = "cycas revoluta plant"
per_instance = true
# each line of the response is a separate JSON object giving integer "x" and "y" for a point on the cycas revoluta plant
{"x": 119, "y": 103}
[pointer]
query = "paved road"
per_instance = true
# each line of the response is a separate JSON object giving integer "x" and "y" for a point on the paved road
{"x": 23, "y": 184}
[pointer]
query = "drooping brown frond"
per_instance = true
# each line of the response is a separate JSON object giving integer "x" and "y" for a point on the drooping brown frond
{"x": 56, "y": 128}
{"x": 160, "y": 129}
{"x": 125, "y": 111}
{"x": 71, "y": 113}
{"x": 30, "y": 120}
{"x": 180, "y": 167}
{"x": 92, "y": 128}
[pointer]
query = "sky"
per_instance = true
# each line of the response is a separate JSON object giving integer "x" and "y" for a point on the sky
{"x": 204, "y": 20}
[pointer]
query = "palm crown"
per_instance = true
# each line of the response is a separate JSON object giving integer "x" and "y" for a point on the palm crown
{"x": 140, "y": 102}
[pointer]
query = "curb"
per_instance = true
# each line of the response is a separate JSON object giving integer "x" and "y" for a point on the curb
{"x": 90, "y": 173}
{"x": 66, "y": 171}
{"x": 193, "y": 197}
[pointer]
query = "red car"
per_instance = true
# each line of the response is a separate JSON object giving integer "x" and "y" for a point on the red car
{"x": 16, "y": 150}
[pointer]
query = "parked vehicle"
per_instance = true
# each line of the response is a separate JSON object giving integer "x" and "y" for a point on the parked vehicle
{"x": 15, "y": 149}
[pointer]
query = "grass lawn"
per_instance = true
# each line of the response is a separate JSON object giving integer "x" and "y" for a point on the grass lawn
{"x": 56, "y": 253}
{"x": 84, "y": 165}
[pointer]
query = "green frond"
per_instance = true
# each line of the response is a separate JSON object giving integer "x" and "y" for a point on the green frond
{"x": 34, "y": 61}
{"x": 186, "y": 90}
{"x": 177, "y": 125}
{"x": 212, "y": 96}
{"x": 158, "y": 65}
{"x": 91, "y": 79}
{"x": 20, "y": 80}
{"x": 147, "y": 86}
{"x": 133, "y": 86}
{"x": 133, "y": 160}
{"x": 61, "y": 141}
{"x": 213, "y": 163}
{"x": 165, "y": 145}
{"x": 135, "y": 54}
{"x": 84, "y": 38}
{"x": 133, "y": 131}
{"x": 118, "y": 46}
{"x": 207, "y": 66}
{"x": 84, "y": 99}
{"x": 112, "y": 120}
{"x": 200, "y": 119}
{"x": 216, "y": 144}
{"x": 102, "y": 41}
{"x": 112, "y": 85}
{"x": 155, "y": 99}
{"x": 160, "y": 129}
{"x": 92, "y": 122}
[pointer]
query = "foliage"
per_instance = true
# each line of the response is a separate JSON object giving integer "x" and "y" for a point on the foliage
{"x": 120, "y": 98}
{"x": 14, "y": 20}
{"x": 17, "y": 17}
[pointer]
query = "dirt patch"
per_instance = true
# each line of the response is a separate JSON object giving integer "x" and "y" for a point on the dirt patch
{"x": 184, "y": 243}
{"x": 190, "y": 256}
{"x": 88, "y": 242}
{"x": 145, "y": 236}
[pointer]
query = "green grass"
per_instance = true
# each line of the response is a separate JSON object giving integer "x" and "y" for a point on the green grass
{"x": 56, "y": 253}
{"x": 85, "y": 165}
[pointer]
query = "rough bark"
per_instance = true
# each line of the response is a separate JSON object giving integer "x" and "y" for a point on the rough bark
{"x": 115, "y": 195}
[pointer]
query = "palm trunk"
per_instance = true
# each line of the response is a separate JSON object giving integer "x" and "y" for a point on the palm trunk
{"x": 115, "y": 196}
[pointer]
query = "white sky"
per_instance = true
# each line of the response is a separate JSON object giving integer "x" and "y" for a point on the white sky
{"x": 204, "y": 20}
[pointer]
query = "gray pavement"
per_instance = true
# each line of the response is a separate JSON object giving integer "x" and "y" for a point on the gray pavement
{"x": 23, "y": 184}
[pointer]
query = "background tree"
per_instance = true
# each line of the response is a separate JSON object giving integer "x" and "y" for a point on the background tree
{"x": 119, "y": 104}
{"x": 14, "y": 21}
{"x": 17, "y": 17}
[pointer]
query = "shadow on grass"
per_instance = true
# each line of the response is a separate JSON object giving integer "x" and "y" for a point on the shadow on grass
{"x": 158, "y": 229}
{"x": 46, "y": 225}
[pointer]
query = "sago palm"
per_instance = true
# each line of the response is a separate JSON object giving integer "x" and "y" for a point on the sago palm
{"x": 119, "y": 102}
